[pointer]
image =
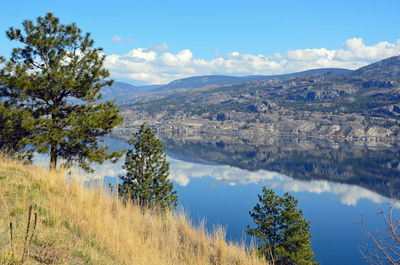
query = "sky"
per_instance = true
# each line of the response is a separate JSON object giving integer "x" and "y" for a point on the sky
{"x": 155, "y": 42}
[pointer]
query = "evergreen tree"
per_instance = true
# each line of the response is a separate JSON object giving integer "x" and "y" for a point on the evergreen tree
{"x": 53, "y": 82}
{"x": 146, "y": 182}
{"x": 281, "y": 231}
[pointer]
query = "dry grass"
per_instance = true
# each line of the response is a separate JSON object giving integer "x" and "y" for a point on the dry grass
{"x": 77, "y": 225}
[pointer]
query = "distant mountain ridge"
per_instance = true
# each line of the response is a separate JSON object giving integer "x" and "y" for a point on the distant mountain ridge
{"x": 207, "y": 80}
{"x": 118, "y": 90}
{"x": 123, "y": 92}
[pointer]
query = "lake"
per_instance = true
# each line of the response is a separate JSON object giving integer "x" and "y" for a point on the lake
{"x": 335, "y": 184}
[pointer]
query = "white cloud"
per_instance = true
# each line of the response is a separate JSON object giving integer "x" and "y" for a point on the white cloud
{"x": 310, "y": 55}
{"x": 117, "y": 39}
{"x": 160, "y": 48}
{"x": 121, "y": 40}
{"x": 156, "y": 65}
{"x": 355, "y": 49}
{"x": 182, "y": 59}
{"x": 141, "y": 54}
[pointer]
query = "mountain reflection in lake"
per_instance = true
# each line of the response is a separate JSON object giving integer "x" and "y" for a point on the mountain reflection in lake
{"x": 333, "y": 183}
{"x": 374, "y": 168}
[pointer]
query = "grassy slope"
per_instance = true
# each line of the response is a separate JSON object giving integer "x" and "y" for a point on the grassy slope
{"x": 88, "y": 226}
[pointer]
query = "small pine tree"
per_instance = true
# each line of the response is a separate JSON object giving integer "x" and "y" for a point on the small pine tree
{"x": 146, "y": 182}
{"x": 281, "y": 231}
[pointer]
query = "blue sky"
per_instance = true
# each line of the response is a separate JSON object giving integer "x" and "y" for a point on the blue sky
{"x": 158, "y": 41}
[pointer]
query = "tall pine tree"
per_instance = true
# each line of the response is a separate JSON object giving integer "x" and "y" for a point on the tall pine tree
{"x": 53, "y": 81}
{"x": 146, "y": 181}
{"x": 281, "y": 231}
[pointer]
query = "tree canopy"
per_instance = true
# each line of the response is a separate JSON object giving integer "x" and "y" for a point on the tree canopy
{"x": 52, "y": 83}
{"x": 146, "y": 181}
{"x": 281, "y": 231}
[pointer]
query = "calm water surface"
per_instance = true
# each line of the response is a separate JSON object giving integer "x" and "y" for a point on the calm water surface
{"x": 334, "y": 184}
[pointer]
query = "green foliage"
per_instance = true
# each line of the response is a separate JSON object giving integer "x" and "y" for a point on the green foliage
{"x": 221, "y": 117}
{"x": 146, "y": 182}
{"x": 282, "y": 233}
{"x": 14, "y": 132}
{"x": 51, "y": 84}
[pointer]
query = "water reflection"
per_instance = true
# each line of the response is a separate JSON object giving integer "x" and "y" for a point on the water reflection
{"x": 376, "y": 169}
{"x": 350, "y": 172}
{"x": 182, "y": 172}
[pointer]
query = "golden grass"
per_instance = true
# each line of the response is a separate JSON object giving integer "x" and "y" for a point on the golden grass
{"x": 77, "y": 225}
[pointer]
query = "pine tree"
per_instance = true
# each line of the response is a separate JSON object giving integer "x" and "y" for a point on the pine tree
{"x": 54, "y": 79}
{"x": 146, "y": 182}
{"x": 281, "y": 231}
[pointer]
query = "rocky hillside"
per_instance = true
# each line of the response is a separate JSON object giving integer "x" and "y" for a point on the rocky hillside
{"x": 364, "y": 103}
{"x": 388, "y": 69}
{"x": 124, "y": 93}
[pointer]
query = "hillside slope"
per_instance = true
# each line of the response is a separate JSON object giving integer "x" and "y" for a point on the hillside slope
{"x": 119, "y": 91}
{"x": 77, "y": 225}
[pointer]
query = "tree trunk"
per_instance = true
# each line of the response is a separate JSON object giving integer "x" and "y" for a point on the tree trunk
{"x": 53, "y": 158}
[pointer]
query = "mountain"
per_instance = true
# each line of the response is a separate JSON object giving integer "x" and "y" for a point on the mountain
{"x": 363, "y": 103}
{"x": 388, "y": 69}
{"x": 201, "y": 81}
{"x": 124, "y": 92}
{"x": 285, "y": 77}
{"x": 219, "y": 80}
{"x": 119, "y": 91}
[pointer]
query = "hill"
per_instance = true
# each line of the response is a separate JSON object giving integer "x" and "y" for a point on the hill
{"x": 124, "y": 92}
{"x": 119, "y": 91}
{"x": 77, "y": 225}
{"x": 364, "y": 103}
{"x": 284, "y": 77}
{"x": 220, "y": 80}
{"x": 388, "y": 69}
{"x": 200, "y": 81}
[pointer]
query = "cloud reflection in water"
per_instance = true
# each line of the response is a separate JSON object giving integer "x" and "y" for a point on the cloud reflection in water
{"x": 181, "y": 172}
